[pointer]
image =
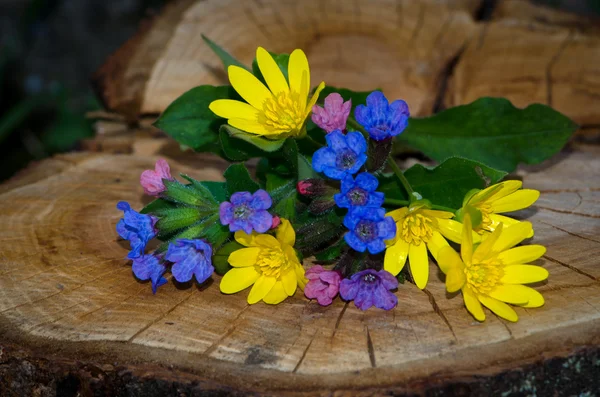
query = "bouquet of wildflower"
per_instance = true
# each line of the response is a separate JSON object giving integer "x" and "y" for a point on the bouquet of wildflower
{"x": 326, "y": 186}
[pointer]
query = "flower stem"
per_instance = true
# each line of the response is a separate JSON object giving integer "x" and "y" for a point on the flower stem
{"x": 400, "y": 176}
{"x": 404, "y": 203}
{"x": 312, "y": 142}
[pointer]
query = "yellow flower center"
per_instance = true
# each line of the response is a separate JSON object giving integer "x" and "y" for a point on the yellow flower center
{"x": 284, "y": 112}
{"x": 418, "y": 227}
{"x": 483, "y": 277}
{"x": 271, "y": 262}
{"x": 486, "y": 221}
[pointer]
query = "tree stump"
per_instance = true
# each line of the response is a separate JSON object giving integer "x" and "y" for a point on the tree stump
{"x": 73, "y": 319}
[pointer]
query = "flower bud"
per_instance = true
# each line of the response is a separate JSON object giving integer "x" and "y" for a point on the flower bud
{"x": 313, "y": 187}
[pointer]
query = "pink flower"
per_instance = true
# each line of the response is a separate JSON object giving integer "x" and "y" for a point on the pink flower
{"x": 276, "y": 222}
{"x": 334, "y": 115}
{"x": 322, "y": 284}
{"x": 152, "y": 181}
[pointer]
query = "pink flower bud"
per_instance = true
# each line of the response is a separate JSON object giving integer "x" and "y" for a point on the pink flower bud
{"x": 334, "y": 114}
{"x": 152, "y": 181}
{"x": 276, "y": 222}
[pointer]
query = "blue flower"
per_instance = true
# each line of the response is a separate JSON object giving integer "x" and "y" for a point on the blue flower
{"x": 359, "y": 192}
{"x": 344, "y": 154}
{"x": 247, "y": 212}
{"x": 149, "y": 267}
{"x": 380, "y": 119}
{"x": 190, "y": 258}
{"x": 370, "y": 288}
{"x": 137, "y": 228}
{"x": 367, "y": 228}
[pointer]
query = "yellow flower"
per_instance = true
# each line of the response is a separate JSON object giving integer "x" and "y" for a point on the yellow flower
{"x": 419, "y": 228}
{"x": 270, "y": 263}
{"x": 492, "y": 273}
{"x": 496, "y": 199}
{"x": 279, "y": 111}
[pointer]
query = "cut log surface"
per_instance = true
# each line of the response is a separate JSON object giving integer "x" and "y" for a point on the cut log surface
{"x": 72, "y": 313}
{"x": 65, "y": 285}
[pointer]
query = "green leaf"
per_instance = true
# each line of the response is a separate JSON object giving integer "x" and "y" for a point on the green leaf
{"x": 183, "y": 194}
{"x": 189, "y": 120}
{"x": 305, "y": 169}
{"x": 492, "y": 131}
{"x": 240, "y": 146}
{"x": 315, "y": 233}
{"x": 202, "y": 191}
{"x": 218, "y": 189}
{"x": 220, "y": 258}
{"x": 444, "y": 185}
{"x": 238, "y": 179}
{"x": 225, "y": 57}
{"x": 158, "y": 207}
{"x": 332, "y": 252}
{"x": 175, "y": 219}
{"x": 282, "y": 60}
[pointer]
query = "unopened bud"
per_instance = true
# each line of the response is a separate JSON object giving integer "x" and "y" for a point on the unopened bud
{"x": 276, "y": 222}
{"x": 312, "y": 187}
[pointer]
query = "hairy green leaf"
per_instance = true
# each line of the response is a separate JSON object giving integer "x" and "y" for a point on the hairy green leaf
{"x": 492, "y": 131}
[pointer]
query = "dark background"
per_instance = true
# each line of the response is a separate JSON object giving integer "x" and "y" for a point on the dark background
{"x": 48, "y": 51}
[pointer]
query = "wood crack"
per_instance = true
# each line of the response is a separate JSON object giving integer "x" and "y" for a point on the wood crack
{"x": 370, "y": 348}
{"x": 304, "y": 353}
{"x": 569, "y": 212}
{"x": 553, "y": 60}
{"x": 438, "y": 311}
{"x": 576, "y": 270}
{"x": 339, "y": 319}
{"x": 159, "y": 318}
{"x": 234, "y": 325}
{"x": 568, "y": 232}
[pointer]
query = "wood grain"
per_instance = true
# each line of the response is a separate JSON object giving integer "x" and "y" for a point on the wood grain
{"x": 63, "y": 278}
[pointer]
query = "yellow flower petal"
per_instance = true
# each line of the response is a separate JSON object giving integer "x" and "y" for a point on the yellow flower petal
{"x": 438, "y": 214}
{"x": 231, "y": 109}
{"x": 267, "y": 241}
{"x": 449, "y": 259}
{"x": 451, "y": 229}
{"x": 237, "y": 279}
{"x": 253, "y": 127}
{"x": 261, "y": 288}
{"x": 249, "y": 87}
{"x": 276, "y": 295}
{"x": 395, "y": 257}
{"x": 285, "y": 233}
{"x": 506, "y": 188}
{"x": 300, "y": 277}
{"x": 436, "y": 243}
{"x": 523, "y": 274}
{"x": 466, "y": 245}
{"x": 524, "y": 254}
{"x": 507, "y": 221}
{"x": 244, "y": 257}
{"x": 246, "y": 240}
{"x": 485, "y": 248}
{"x": 314, "y": 98}
{"x": 419, "y": 264}
{"x": 299, "y": 75}
{"x": 271, "y": 72}
{"x": 473, "y": 305}
{"x": 289, "y": 282}
{"x": 512, "y": 236}
{"x": 483, "y": 195}
{"x": 501, "y": 309}
{"x": 535, "y": 298}
{"x": 455, "y": 279}
{"x": 398, "y": 214}
{"x": 515, "y": 201}
{"x": 509, "y": 294}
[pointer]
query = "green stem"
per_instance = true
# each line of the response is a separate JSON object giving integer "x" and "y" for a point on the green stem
{"x": 312, "y": 142}
{"x": 400, "y": 176}
{"x": 404, "y": 203}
